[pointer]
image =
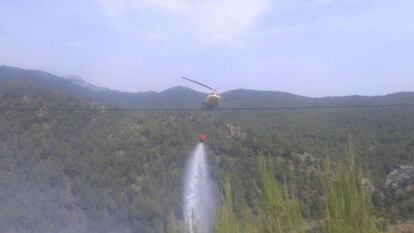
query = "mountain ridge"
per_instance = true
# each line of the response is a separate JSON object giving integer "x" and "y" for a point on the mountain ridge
{"x": 184, "y": 97}
{"x": 76, "y": 80}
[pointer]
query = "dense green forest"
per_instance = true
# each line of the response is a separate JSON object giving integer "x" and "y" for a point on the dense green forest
{"x": 114, "y": 171}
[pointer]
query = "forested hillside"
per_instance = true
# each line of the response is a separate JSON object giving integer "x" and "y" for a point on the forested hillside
{"x": 110, "y": 171}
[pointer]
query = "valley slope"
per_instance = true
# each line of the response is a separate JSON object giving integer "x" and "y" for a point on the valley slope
{"x": 109, "y": 171}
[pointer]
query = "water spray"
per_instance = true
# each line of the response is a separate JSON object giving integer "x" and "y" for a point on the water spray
{"x": 199, "y": 204}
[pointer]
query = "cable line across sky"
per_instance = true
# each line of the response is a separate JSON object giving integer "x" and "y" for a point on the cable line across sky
{"x": 276, "y": 108}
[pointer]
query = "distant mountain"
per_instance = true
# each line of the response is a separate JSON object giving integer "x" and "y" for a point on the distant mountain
{"x": 80, "y": 82}
{"x": 251, "y": 98}
{"x": 72, "y": 85}
{"x": 181, "y": 97}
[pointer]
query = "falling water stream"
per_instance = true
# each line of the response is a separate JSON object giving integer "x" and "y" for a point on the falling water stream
{"x": 198, "y": 195}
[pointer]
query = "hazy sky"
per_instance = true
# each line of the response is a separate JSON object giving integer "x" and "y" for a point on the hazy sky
{"x": 308, "y": 47}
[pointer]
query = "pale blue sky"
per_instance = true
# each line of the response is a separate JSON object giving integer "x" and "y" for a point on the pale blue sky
{"x": 308, "y": 47}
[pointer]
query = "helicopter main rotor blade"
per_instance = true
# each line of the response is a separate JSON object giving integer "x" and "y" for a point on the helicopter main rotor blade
{"x": 197, "y": 83}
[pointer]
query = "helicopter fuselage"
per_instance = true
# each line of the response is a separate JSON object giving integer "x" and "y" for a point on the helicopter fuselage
{"x": 213, "y": 99}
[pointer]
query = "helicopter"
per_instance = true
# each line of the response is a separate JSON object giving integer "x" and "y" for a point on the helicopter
{"x": 213, "y": 98}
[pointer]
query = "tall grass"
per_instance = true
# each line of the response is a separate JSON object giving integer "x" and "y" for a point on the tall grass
{"x": 227, "y": 221}
{"x": 346, "y": 208}
{"x": 172, "y": 225}
{"x": 278, "y": 212}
